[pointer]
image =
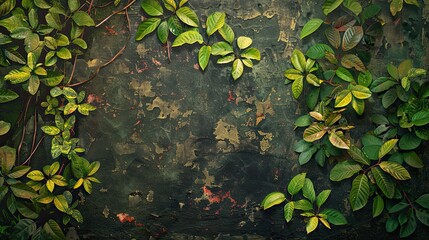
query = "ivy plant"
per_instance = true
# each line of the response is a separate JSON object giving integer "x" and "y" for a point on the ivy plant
{"x": 178, "y": 22}
{"x": 310, "y": 204}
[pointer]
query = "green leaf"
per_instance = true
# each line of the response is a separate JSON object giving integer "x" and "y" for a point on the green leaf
{"x": 352, "y": 37}
{"x": 36, "y": 175}
{"x": 423, "y": 216}
{"x": 247, "y": 62}
{"x": 80, "y": 42}
{"x": 21, "y": 190}
{"x": 51, "y": 130}
{"x": 396, "y": 6}
{"x": 318, "y": 51}
{"x": 77, "y": 216}
{"x": 18, "y": 171}
{"x": 227, "y": 33}
{"x": 296, "y": 184}
{"x": 384, "y": 182}
{"x": 162, "y": 32}
{"x": 314, "y": 132}
{"x": 310, "y": 27}
{"x": 334, "y": 217}
{"x": 389, "y": 98}
{"x": 24, "y": 229}
{"x": 189, "y": 37}
{"x": 73, "y": 5}
{"x": 395, "y": 170}
{"x": 182, "y": 2}
{"x": 359, "y": 193}
{"x": 423, "y": 200}
{"x": 187, "y": 16}
{"x": 386, "y": 148}
{"x": 50, "y": 185}
{"x": 409, "y": 141}
{"x": 174, "y": 25}
{"x": 152, "y": 7}
{"x": 330, "y": 5}
{"x": 412, "y": 159}
{"x": 303, "y": 121}
{"x": 398, "y": 207}
{"x": 272, "y": 199}
{"x": 312, "y": 224}
{"x": 170, "y": 5}
{"x": 377, "y": 206}
{"x": 204, "y": 56}
{"x": 93, "y": 168}
{"x": 308, "y": 190}
{"x": 410, "y": 226}
{"x": 420, "y": 118}
{"x": 353, "y": 5}
{"x": 17, "y": 76}
{"x": 214, "y": 22}
{"x": 53, "y": 230}
{"x": 226, "y": 59}
{"x": 82, "y": 18}
{"x": 365, "y": 78}
{"x": 64, "y": 53}
{"x": 303, "y": 205}
{"x": 20, "y": 33}
{"x": 7, "y": 95}
{"x": 244, "y": 42}
{"x": 306, "y": 155}
{"x": 4, "y": 127}
{"x": 344, "y": 74}
{"x": 7, "y": 158}
{"x": 237, "y": 69}
{"x": 53, "y": 21}
{"x": 322, "y": 197}
{"x": 61, "y": 203}
{"x": 370, "y": 11}
{"x": 52, "y": 79}
{"x": 251, "y": 53}
{"x": 343, "y": 98}
{"x": 288, "y": 211}
{"x": 360, "y": 92}
{"x": 298, "y": 60}
{"x": 392, "y": 224}
{"x": 344, "y": 170}
{"x": 357, "y": 155}
{"x": 221, "y": 48}
{"x": 6, "y": 6}
{"x": 297, "y": 87}
{"x": 146, "y": 27}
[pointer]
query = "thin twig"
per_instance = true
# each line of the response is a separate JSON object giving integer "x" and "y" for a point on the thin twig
{"x": 35, "y": 130}
{"x": 32, "y": 152}
{"x": 90, "y": 6}
{"x": 23, "y": 128}
{"x": 114, "y": 57}
{"x": 74, "y": 67}
{"x": 116, "y": 12}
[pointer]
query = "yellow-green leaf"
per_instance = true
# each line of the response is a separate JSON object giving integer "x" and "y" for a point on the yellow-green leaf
{"x": 273, "y": 199}
{"x": 189, "y": 37}
{"x": 214, "y": 22}
{"x": 344, "y": 170}
{"x": 360, "y": 92}
{"x": 59, "y": 180}
{"x": 395, "y": 170}
{"x": 312, "y": 224}
{"x": 296, "y": 183}
{"x": 251, "y": 53}
{"x": 152, "y": 7}
{"x": 297, "y": 87}
{"x": 358, "y": 105}
{"x": 288, "y": 211}
{"x": 227, "y": 33}
{"x": 325, "y": 222}
{"x": 298, "y": 60}
{"x": 244, "y": 42}
{"x": 221, "y": 48}
{"x": 310, "y": 27}
{"x": 61, "y": 204}
{"x": 387, "y": 147}
{"x": 314, "y": 132}
{"x": 237, "y": 69}
{"x": 337, "y": 139}
{"x": 188, "y": 16}
{"x": 343, "y": 98}
{"x": 396, "y": 6}
{"x": 384, "y": 182}
{"x": 313, "y": 80}
{"x": 292, "y": 74}
{"x": 359, "y": 193}
{"x": 87, "y": 185}
{"x": 50, "y": 185}
{"x": 78, "y": 183}
{"x": 17, "y": 76}
{"x": 146, "y": 27}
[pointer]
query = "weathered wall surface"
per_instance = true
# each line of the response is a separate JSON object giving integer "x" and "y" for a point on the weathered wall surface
{"x": 188, "y": 153}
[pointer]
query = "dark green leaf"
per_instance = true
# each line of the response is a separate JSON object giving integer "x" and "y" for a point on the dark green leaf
{"x": 318, "y": 51}
{"x": 412, "y": 159}
{"x": 423, "y": 216}
{"x": 377, "y": 206}
{"x": 308, "y": 190}
{"x": 420, "y": 118}
{"x": 334, "y": 217}
{"x": 322, "y": 197}
{"x": 146, "y": 27}
{"x": 392, "y": 224}
{"x": 18, "y": 171}
{"x": 359, "y": 193}
{"x": 162, "y": 32}
{"x": 306, "y": 156}
{"x": 370, "y": 11}
{"x": 330, "y": 5}
{"x": 303, "y": 121}
{"x": 52, "y": 79}
{"x": 409, "y": 141}
{"x": 303, "y": 205}
{"x": 410, "y": 226}
{"x": 21, "y": 190}
{"x": 24, "y": 229}
{"x": 53, "y": 21}
{"x": 53, "y": 230}
{"x": 357, "y": 155}
{"x": 423, "y": 200}
{"x": 384, "y": 182}
{"x": 174, "y": 25}
{"x": 7, "y": 158}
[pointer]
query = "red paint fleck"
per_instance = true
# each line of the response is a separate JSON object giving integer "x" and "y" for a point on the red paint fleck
{"x": 196, "y": 66}
{"x": 219, "y": 197}
{"x": 156, "y": 62}
{"x": 231, "y": 97}
{"x": 124, "y": 217}
{"x": 144, "y": 68}
{"x": 137, "y": 123}
{"x": 93, "y": 98}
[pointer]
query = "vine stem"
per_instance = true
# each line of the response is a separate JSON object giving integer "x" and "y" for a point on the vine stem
{"x": 116, "y": 12}
{"x": 35, "y": 130}
{"x": 24, "y": 128}
{"x": 115, "y": 56}
{"x": 32, "y": 152}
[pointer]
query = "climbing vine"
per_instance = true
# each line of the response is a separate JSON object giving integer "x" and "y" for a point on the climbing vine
{"x": 180, "y": 23}
{"x": 40, "y": 41}
{"x": 334, "y": 78}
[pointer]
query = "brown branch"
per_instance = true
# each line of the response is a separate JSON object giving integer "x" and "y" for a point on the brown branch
{"x": 116, "y": 12}
{"x": 35, "y": 130}
{"x": 23, "y": 129}
{"x": 32, "y": 152}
